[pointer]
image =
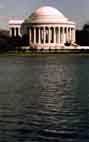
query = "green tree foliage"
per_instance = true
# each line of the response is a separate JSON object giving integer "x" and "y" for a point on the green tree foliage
{"x": 82, "y": 36}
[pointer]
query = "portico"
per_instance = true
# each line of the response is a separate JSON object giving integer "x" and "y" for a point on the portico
{"x": 51, "y": 35}
{"x": 15, "y": 27}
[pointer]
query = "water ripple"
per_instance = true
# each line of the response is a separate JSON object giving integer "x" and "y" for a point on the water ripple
{"x": 45, "y": 100}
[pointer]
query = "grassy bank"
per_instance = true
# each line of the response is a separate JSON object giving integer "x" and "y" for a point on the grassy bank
{"x": 38, "y": 53}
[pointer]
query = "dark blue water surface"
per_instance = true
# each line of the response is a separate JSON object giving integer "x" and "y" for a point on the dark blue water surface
{"x": 44, "y": 99}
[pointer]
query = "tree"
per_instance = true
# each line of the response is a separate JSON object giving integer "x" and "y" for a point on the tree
{"x": 86, "y": 27}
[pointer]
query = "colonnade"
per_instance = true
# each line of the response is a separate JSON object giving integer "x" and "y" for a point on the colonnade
{"x": 54, "y": 35}
{"x": 15, "y": 31}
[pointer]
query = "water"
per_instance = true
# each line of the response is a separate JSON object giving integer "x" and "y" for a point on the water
{"x": 44, "y": 99}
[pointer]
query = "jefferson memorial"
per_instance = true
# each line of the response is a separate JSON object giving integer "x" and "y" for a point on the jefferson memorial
{"x": 47, "y": 28}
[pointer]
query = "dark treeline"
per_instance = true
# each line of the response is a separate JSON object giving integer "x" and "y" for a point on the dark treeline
{"x": 82, "y": 36}
{"x": 8, "y": 43}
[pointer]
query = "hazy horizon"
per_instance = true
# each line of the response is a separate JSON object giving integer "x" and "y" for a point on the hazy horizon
{"x": 76, "y": 10}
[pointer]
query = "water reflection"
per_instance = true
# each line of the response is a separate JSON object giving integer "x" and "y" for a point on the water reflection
{"x": 45, "y": 99}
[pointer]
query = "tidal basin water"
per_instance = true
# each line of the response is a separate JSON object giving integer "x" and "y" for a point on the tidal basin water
{"x": 44, "y": 98}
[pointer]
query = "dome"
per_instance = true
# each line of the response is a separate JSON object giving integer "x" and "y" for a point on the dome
{"x": 46, "y": 14}
{"x": 48, "y": 11}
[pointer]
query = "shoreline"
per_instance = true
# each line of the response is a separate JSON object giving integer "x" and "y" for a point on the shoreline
{"x": 40, "y": 53}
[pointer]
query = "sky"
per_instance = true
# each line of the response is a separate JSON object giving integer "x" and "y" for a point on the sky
{"x": 75, "y": 10}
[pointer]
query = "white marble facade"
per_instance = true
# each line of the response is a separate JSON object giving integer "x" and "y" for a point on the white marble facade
{"x": 47, "y": 28}
{"x": 15, "y": 27}
{"x": 51, "y": 35}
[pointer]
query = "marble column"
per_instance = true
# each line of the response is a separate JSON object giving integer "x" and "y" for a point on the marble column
{"x": 57, "y": 38}
{"x": 49, "y": 35}
{"x": 62, "y": 35}
{"x": 44, "y": 35}
{"x": 39, "y": 35}
{"x": 34, "y": 35}
{"x": 56, "y": 33}
{"x": 54, "y": 29}
{"x": 67, "y": 35}
{"x": 59, "y": 35}
{"x": 73, "y": 35}
{"x": 15, "y": 32}
{"x": 70, "y": 34}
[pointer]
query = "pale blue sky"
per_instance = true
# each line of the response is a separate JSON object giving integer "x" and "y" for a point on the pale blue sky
{"x": 76, "y": 10}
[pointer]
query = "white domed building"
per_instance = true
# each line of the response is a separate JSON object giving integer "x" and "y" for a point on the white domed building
{"x": 48, "y": 28}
